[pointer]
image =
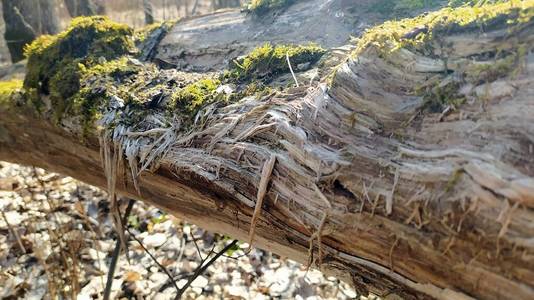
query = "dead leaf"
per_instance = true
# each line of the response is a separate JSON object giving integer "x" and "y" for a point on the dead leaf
{"x": 132, "y": 276}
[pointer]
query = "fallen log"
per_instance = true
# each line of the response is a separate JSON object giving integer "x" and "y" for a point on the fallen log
{"x": 403, "y": 165}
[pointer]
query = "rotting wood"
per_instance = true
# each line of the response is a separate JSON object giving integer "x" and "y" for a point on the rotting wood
{"x": 460, "y": 225}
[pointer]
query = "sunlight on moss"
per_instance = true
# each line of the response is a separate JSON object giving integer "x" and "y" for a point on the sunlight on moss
{"x": 415, "y": 33}
{"x": 424, "y": 35}
{"x": 398, "y": 8}
{"x": 117, "y": 68}
{"x": 55, "y": 63}
{"x": 458, "y": 3}
{"x": 142, "y": 33}
{"x": 268, "y": 61}
{"x": 192, "y": 97}
{"x": 7, "y": 88}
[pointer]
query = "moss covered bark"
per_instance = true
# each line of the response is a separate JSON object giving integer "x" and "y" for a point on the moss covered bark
{"x": 7, "y": 89}
{"x": 57, "y": 64}
{"x": 352, "y": 189}
{"x": 82, "y": 67}
{"x": 425, "y": 36}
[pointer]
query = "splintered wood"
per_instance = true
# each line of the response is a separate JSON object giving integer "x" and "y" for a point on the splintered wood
{"x": 262, "y": 189}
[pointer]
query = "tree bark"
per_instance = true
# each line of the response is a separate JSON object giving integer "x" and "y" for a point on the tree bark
{"x": 361, "y": 178}
{"x": 25, "y": 20}
{"x": 78, "y": 8}
{"x": 149, "y": 12}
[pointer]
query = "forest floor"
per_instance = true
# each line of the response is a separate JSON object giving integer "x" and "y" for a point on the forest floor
{"x": 59, "y": 239}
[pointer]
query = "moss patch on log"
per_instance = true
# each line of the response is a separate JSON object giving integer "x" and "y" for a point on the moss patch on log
{"x": 268, "y": 61}
{"x": 56, "y": 64}
{"x": 194, "y": 96}
{"x": 417, "y": 33}
{"x": 7, "y": 89}
{"x": 400, "y": 8}
{"x": 425, "y": 35}
{"x": 442, "y": 95}
{"x": 82, "y": 68}
{"x": 458, "y": 3}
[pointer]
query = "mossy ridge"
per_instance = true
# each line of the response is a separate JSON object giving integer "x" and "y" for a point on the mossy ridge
{"x": 422, "y": 34}
{"x": 458, "y": 3}
{"x": 399, "y": 8}
{"x": 248, "y": 76}
{"x": 82, "y": 81}
{"x": 192, "y": 97}
{"x": 262, "y": 7}
{"x": 417, "y": 33}
{"x": 99, "y": 82}
{"x": 56, "y": 64}
{"x": 142, "y": 33}
{"x": 268, "y": 61}
{"x": 7, "y": 89}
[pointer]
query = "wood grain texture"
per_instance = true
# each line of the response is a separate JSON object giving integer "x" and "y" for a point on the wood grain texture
{"x": 395, "y": 199}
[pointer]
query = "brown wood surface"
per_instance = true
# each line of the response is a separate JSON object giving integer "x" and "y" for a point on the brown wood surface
{"x": 392, "y": 198}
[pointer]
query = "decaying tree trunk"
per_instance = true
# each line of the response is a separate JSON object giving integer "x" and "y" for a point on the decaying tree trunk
{"x": 411, "y": 172}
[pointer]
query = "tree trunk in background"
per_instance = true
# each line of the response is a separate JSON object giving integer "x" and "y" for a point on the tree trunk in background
{"x": 217, "y": 4}
{"x": 195, "y": 6}
{"x": 357, "y": 176}
{"x": 47, "y": 16}
{"x": 149, "y": 12}
{"x": 24, "y": 21}
{"x": 85, "y": 7}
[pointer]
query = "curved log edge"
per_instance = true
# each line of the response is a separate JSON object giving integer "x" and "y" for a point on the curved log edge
{"x": 209, "y": 42}
{"x": 409, "y": 173}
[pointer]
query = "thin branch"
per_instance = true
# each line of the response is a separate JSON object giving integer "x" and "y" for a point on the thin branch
{"x": 116, "y": 253}
{"x": 153, "y": 258}
{"x": 196, "y": 246}
{"x": 203, "y": 268}
{"x": 15, "y": 233}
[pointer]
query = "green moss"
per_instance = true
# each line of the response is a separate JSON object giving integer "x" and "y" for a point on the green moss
{"x": 116, "y": 69}
{"x": 262, "y": 7}
{"x": 445, "y": 94}
{"x": 453, "y": 181}
{"x": 423, "y": 35}
{"x": 478, "y": 73}
{"x": 56, "y": 63}
{"x": 458, "y": 3}
{"x": 63, "y": 85}
{"x": 97, "y": 84}
{"x": 192, "y": 97}
{"x": 7, "y": 89}
{"x": 399, "y": 8}
{"x": 141, "y": 34}
{"x": 417, "y": 33}
{"x": 86, "y": 103}
{"x": 267, "y": 61}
